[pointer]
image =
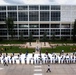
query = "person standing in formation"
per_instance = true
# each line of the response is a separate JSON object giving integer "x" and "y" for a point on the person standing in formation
{"x": 5, "y": 62}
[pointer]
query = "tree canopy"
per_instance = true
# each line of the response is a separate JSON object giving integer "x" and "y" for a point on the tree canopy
{"x": 10, "y": 25}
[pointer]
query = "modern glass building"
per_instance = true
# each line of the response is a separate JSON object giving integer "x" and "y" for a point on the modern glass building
{"x": 37, "y": 19}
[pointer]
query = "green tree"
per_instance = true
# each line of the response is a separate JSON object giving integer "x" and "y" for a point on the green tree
{"x": 74, "y": 31}
{"x": 10, "y": 26}
{"x": 45, "y": 38}
{"x": 21, "y": 36}
{"x": 30, "y": 38}
{"x": 53, "y": 36}
{"x": 1, "y": 35}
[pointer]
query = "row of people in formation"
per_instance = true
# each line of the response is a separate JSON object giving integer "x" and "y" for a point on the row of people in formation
{"x": 37, "y": 58}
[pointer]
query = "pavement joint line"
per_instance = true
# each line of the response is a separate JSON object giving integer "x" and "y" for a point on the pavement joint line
{"x": 38, "y": 70}
{"x": 38, "y": 74}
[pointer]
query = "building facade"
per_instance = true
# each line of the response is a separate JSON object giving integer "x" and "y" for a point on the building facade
{"x": 37, "y": 19}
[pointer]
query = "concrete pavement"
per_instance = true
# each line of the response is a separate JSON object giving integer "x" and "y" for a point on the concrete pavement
{"x": 56, "y": 69}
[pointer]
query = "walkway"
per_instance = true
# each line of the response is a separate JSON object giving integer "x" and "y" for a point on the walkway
{"x": 57, "y": 69}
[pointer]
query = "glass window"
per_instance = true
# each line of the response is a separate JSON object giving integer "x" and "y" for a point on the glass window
{"x": 33, "y": 16}
{"x": 44, "y": 30}
{"x": 12, "y": 15}
{"x": 55, "y": 25}
{"x": 22, "y": 7}
{"x": 3, "y": 32}
{"x": 23, "y": 16}
{"x": 23, "y": 25}
{"x": 14, "y": 32}
{"x": 23, "y": 32}
{"x": 34, "y": 31}
{"x": 2, "y": 7}
{"x": 55, "y": 7}
{"x": 12, "y": 8}
{"x": 44, "y": 25}
{"x": 44, "y": 15}
{"x": 55, "y": 15}
{"x": 35, "y": 7}
{"x": 71, "y": 31}
{"x": 3, "y": 26}
{"x": 65, "y": 26}
{"x": 34, "y": 25}
{"x": 2, "y": 16}
{"x": 55, "y": 31}
{"x": 65, "y": 31}
{"x": 15, "y": 25}
{"x": 44, "y": 7}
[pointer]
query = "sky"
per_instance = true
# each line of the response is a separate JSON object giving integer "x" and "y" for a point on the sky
{"x": 67, "y": 2}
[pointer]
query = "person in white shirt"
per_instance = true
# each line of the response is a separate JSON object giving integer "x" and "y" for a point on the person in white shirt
{"x": 5, "y": 62}
{"x": 48, "y": 70}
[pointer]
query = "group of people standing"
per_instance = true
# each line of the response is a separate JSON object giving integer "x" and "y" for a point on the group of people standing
{"x": 38, "y": 58}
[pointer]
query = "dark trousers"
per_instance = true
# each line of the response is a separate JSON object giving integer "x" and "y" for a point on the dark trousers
{"x": 5, "y": 64}
{"x": 15, "y": 61}
{"x": 48, "y": 70}
{"x": 11, "y": 62}
{"x": 20, "y": 61}
{"x": 0, "y": 61}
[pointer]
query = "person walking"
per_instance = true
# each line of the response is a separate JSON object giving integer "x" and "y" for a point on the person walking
{"x": 48, "y": 69}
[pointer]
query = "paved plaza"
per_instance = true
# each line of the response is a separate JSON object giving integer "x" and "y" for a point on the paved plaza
{"x": 56, "y": 69}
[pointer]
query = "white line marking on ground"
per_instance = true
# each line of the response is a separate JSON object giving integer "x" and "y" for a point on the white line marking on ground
{"x": 38, "y": 74}
{"x": 38, "y": 70}
{"x": 1, "y": 68}
{"x": 37, "y": 66}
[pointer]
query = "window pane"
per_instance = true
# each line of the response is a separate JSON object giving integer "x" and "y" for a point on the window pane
{"x": 44, "y": 7}
{"x": 55, "y": 15}
{"x": 44, "y": 15}
{"x": 65, "y": 26}
{"x": 65, "y": 31}
{"x": 33, "y": 16}
{"x": 34, "y": 31}
{"x": 2, "y": 16}
{"x": 55, "y": 7}
{"x": 3, "y": 26}
{"x": 12, "y": 8}
{"x": 13, "y": 15}
{"x": 33, "y": 7}
{"x": 2, "y": 7}
{"x": 44, "y": 30}
{"x": 55, "y": 25}
{"x": 23, "y": 32}
{"x": 22, "y": 7}
{"x": 34, "y": 26}
{"x": 23, "y": 16}
{"x": 23, "y": 25}
{"x": 44, "y": 25}
{"x": 55, "y": 31}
